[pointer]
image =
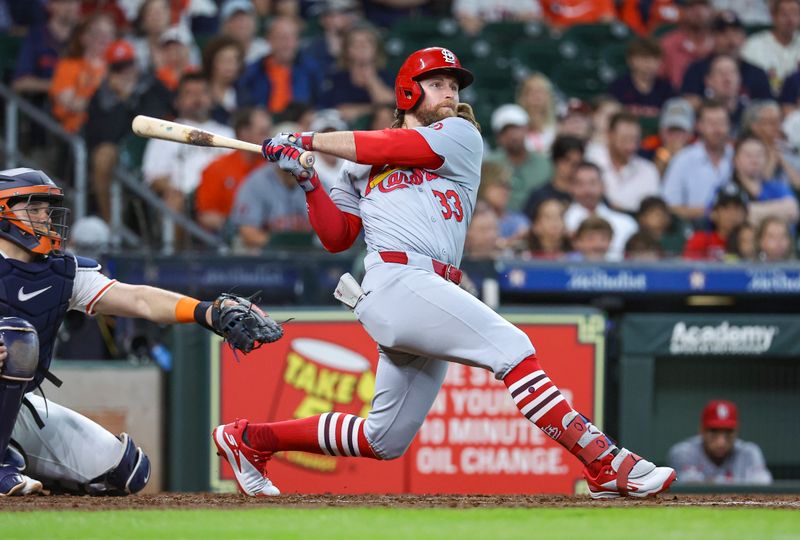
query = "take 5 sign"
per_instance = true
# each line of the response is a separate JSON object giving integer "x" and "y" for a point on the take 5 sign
{"x": 474, "y": 440}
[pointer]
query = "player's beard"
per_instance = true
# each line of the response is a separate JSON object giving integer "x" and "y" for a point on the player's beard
{"x": 435, "y": 113}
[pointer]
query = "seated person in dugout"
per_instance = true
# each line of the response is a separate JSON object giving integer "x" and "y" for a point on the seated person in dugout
{"x": 717, "y": 455}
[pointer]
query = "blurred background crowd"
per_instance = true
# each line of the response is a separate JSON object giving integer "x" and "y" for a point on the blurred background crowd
{"x": 615, "y": 129}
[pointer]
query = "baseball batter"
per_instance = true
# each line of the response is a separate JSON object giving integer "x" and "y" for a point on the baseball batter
{"x": 45, "y": 443}
{"x": 412, "y": 189}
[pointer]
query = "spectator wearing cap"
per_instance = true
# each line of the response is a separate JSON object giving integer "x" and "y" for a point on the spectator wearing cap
{"x": 729, "y": 36}
{"x": 763, "y": 119}
{"x": 326, "y": 165}
{"x": 41, "y": 48}
{"x": 695, "y": 173}
{"x": 537, "y": 97}
{"x": 587, "y": 201}
{"x": 172, "y": 169}
{"x": 566, "y": 154}
{"x": 175, "y": 57}
{"x": 360, "y": 79}
{"x": 628, "y": 178}
{"x": 641, "y": 90}
{"x": 336, "y": 17}
{"x": 655, "y": 220}
{"x": 768, "y": 197}
{"x": 690, "y": 41}
{"x": 238, "y": 20}
{"x": 728, "y": 211}
{"x": 124, "y": 93}
{"x": 777, "y": 51}
{"x": 283, "y": 76}
{"x": 223, "y": 61}
{"x": 717, "y": 455}
{"x": 222, "y": 177}
{"x": 78, "y": 74}
{"x": 675, "y": 131}
{"x": 530, "y": 170}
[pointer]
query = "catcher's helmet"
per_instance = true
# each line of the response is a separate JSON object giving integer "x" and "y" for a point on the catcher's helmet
{"x": 35, "y": 235}
{"x": 406, "y": 88}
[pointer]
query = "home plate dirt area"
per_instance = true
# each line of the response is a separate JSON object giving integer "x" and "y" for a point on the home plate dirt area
{"x": 235, "y": 501}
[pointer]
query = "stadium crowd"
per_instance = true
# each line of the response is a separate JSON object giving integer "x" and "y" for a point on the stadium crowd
{"x": 689, "y": 148}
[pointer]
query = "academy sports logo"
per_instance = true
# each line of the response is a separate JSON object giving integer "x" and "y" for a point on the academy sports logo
{"x": 448, "y": 56}
{"x": 24, "y": 297}
{"x": 724, "y": 338}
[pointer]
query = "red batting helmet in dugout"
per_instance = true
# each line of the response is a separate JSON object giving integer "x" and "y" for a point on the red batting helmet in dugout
{"x": 406, "y": 88}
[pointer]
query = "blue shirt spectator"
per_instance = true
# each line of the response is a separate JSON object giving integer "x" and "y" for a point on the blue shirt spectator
{"x": 692, "y": 177}
{"x": 729, "y": 36}
{"x": 282, "y": 77}
{"x": 641, "y": 90}
{"x": 42, "y": 47}
{"x": 696, "y": 171}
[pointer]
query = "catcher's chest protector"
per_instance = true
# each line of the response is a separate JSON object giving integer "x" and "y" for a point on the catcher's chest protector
{"x": 38, "y": 292}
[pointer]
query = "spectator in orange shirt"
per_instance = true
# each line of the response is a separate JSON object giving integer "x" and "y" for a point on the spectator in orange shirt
{"x": 223, "y": 176}
{"x": 564, "y": 13}
{"x": 81, "y": 71}
{"x": 645, "y": 17}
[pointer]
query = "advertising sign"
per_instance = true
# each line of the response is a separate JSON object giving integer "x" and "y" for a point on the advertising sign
{"x": 474, "y": 440}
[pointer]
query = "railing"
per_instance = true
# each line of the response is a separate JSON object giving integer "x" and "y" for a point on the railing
{"x": 13, "y": 157}
{"x": 124, "y": 179}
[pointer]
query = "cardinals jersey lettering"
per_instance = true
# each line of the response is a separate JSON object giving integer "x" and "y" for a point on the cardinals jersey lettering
{"x": 418, "y": 210}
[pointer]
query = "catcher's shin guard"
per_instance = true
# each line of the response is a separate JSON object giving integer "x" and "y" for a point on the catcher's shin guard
{"x": 129, "y": 476}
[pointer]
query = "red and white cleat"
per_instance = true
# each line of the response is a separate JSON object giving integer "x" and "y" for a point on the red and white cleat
{"x": 249, "y": 465}
{"x": 626, "y": 475}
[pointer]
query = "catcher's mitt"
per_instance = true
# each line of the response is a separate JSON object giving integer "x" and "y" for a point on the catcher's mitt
{"x": 242, "y": 324}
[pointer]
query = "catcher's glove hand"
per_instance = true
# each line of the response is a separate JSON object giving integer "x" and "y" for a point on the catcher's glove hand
{"x": 242, "y": 324}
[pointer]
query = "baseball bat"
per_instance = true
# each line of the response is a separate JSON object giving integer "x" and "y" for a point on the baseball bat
{"x": 156, "y": 128}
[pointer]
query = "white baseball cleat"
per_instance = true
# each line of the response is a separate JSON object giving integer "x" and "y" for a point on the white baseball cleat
{"x": 14, "y": 483}
{"x": 626, "y": 475}
{"x": 249, "y": 465}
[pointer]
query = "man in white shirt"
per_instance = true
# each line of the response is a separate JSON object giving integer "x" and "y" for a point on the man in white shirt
{"x": 777, "y": 51}
{"x": 172, "y": 169}
{"x": 587, "y": 194}
{"x": 628, "y": 178}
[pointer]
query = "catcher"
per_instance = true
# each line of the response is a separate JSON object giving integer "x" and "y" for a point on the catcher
{"x": 44, "y": 443}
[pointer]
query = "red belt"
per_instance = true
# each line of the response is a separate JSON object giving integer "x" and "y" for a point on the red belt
{"x": 447, "y": 271}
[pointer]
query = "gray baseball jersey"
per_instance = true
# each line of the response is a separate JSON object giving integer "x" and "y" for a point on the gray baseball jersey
{"x": 418, "y": 210}
{"x": 745, "y": 465}
{"x": 420, "y": 320}
{"x": 263, "y": 200}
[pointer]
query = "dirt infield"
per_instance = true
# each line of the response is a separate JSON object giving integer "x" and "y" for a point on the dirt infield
{"x": 235, "y": 501}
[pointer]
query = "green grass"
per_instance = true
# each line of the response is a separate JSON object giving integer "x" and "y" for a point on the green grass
{"x": 386, "y": 524}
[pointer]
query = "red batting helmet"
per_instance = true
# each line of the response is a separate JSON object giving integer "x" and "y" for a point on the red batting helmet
{"x": 406, "y": 88}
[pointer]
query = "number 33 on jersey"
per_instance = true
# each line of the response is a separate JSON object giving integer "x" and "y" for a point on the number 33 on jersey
{"x": 418, "y": 210}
